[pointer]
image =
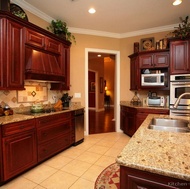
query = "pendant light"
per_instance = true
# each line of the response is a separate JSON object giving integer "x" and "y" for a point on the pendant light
{"x": 177, "y": 2}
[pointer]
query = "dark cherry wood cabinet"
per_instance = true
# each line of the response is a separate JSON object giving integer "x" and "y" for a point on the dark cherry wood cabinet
{"x": 18, "y": 148}
{"x": 11, "y": 53}
{"x": 134, "y": 74}
{"x": 136, "y": 179}
{"x": 54, "y": 134}
{"x": 152, "y": 60}
{"x": 179, "y": 57}
{"x": 24, "y": 144}
{"x": 131, "y": 118}
{"x": 22, "y": 42}
{"x": 127, "y": 120}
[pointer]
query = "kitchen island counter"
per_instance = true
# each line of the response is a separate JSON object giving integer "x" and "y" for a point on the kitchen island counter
{"x": 160, "y": 152}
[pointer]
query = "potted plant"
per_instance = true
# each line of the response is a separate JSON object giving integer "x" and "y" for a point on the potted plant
{"x": 60, "y": 29}
{"x": 66, "y": 99}
{"x": 183, "y": 30}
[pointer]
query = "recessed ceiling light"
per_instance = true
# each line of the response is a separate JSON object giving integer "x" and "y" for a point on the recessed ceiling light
{"x": 177, "y": 2}
{"x": 99, "y": 55}
{"x": 92, "y": 11}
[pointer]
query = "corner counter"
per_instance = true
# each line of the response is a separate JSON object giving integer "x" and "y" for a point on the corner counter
{"x": 128, "y": 104}
{"x": 159, "y": 152}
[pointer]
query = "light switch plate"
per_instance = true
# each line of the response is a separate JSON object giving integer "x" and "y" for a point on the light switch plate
{"x": 77, "y": 95}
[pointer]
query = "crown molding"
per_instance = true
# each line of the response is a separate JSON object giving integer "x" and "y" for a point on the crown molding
{"x": 149, "y": 31}
{"x": 33, "y": 10}
{"x": 47, "y": 18}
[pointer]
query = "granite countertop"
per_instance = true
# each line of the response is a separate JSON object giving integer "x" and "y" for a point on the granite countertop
{"x": 161, "y": 152}
{"x": 16, "y": 117}
{"x": 128, "y": 104}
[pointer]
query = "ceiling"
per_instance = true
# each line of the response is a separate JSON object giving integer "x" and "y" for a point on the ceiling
{"x": 113, "y": 18}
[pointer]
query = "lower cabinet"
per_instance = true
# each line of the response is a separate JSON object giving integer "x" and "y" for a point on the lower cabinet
{"x": 27, "y": 143}
{"x": 128, "y": 122}
{"x": 131, "y": 117}
{"x": 18, "y": 148}
{"x": 136, "y": 179}
{"x": 54, "y": 134}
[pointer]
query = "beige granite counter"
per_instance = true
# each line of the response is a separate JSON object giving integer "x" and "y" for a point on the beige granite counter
{"x": 16, "y": 117}
{"x": 161, "y": 152}
{"x": 128, "y": 104}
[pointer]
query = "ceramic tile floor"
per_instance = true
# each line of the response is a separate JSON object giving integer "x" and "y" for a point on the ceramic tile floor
{"x": 76, "y": 167}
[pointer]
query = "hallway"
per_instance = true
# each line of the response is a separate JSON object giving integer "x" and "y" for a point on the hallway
{"x": 101, "y": 122}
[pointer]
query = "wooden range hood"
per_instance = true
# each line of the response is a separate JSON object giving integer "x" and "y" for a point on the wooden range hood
{"x": 42, "y": 66}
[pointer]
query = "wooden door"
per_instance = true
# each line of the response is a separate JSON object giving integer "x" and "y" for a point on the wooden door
{"x": 91, "y": 90}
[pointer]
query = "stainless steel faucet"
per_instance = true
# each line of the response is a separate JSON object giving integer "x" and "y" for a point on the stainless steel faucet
{"x": 178, "y": 100}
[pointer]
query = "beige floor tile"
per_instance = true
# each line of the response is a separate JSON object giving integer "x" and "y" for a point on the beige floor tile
{"x": 124, "y": 139}
{"x": 119, "y": 145}
{"x": 39, "y": 173}
{"x": 113, "y": 152}
{"x": 92, "y": 140}
{"x": 98, "y": 149}
{"x": 58, "y": 161}
{"x": 38, "y": 187}
{"x": 72, "y": 152}
{"x": 59, "y": 180}
{"x": 76, "y": 167}
{"x": 19, "y": 183}
{"x": 89, "y": 157}
{"x": 106, "y": 143}
{"x": 84, "y": 146}
{"x": 82, "y": 184}
{"x": 92, "y": 173}
{"x": 104, "y": 161}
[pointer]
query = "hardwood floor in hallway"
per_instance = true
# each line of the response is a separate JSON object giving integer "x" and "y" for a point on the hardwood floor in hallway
{"x": 101, "y": 122}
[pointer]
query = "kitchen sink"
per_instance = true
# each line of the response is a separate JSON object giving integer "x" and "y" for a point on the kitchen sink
{"x": 170, "y": 125}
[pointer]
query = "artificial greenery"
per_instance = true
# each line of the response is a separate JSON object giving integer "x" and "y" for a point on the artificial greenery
{"x": 60, "y": 29}
{"x": 66, "y": 98}
{"x": 183, "y": 30}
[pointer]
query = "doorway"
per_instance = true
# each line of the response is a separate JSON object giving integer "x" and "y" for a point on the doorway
{"x": 117, "y": 87}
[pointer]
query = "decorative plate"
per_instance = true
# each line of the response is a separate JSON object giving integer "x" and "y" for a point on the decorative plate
{"x": 18, "y": 11}
{"x": 147, "y": 44}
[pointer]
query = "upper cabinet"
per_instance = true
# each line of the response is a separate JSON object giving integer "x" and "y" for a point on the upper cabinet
{"x": 153, "y": 61}
{"x": 28, "y": 52}
{"x": 179, "y": 56}
{"x": 11, "y": 55}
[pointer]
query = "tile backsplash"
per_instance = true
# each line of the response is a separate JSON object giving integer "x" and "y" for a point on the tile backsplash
{"x": 35, "y": 91}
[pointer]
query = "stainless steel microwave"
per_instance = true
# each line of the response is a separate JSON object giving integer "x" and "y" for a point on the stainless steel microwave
{"x": 157, "y": 79}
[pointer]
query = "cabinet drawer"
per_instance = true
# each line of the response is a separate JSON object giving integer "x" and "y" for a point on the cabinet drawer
{"x": 53, "y": 146}
{"x": 53, "y": 131}
{"x": 35, "y": 38}
{"x": 153, "y": 111}
{"x": 53, "y": 46}
{"x": 128, "y": 109}
{"x": 14, "y": 128}
{"x": 49, "y": 120}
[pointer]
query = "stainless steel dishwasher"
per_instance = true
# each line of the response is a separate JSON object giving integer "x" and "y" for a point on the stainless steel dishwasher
{"x": 79, "y": 126}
